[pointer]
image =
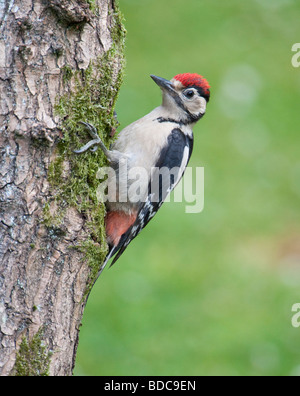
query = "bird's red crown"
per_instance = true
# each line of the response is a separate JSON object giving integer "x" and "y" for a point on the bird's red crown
{"x": 194, "y": 80}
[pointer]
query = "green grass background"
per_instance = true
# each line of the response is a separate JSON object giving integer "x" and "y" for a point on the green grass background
{"x": 211, "y": 293}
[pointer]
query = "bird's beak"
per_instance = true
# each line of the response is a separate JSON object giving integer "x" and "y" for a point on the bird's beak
{"x": 164, "y": 84}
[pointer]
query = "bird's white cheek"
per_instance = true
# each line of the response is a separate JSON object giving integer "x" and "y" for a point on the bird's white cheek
{"x": 197, "y": 106}
{"x": 203, "y": 105}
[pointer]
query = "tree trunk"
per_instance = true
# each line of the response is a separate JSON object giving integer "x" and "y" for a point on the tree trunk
{"x": 60, "y": 63}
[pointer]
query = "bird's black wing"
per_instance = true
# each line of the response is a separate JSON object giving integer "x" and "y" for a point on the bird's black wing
{"x": 174, "y": 157}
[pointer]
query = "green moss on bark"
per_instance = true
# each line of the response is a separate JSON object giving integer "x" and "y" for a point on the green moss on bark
{"x": 92, "y": 5}
{"x": 32, "y": 359}
{"x": 74, "y": 177}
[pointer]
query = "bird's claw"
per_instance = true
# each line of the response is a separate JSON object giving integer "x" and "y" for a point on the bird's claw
{"x": 91, "y": 129}
{"x": 93, "y": 144}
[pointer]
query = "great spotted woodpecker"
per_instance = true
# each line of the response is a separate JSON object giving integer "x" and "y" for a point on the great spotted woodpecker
{"x": 163, "y": 139}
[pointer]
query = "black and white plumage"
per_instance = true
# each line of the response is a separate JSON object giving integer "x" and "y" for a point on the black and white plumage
{"x": 161, "y": 144}
{"x": 174, "y": 156}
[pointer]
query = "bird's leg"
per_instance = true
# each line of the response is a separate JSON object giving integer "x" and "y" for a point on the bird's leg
{"x": 93, "y": 144}
{"x": 113, "y": 156}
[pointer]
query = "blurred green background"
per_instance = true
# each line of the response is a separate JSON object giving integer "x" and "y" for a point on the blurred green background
{"x": 211, "y": 293}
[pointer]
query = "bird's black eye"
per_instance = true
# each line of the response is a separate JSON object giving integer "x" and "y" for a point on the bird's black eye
{"x": 189, "y": 94}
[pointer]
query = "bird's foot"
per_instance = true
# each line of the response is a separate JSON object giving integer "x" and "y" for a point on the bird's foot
{"x": 93, "y": 144}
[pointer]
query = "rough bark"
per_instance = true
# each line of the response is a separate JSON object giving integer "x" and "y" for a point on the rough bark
{"x": 49, "y": 49}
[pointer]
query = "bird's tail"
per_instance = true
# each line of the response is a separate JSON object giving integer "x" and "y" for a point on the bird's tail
{"x": 108, "y": 257}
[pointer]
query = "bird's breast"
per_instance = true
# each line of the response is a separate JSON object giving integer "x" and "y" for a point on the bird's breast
{"x": 143, "y": 143}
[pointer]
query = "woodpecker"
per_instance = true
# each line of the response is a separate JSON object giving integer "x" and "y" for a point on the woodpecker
{"x": 163, "y": 139}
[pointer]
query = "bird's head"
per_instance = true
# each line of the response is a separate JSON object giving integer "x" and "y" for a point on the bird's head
{"x": 185, "y": 96}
